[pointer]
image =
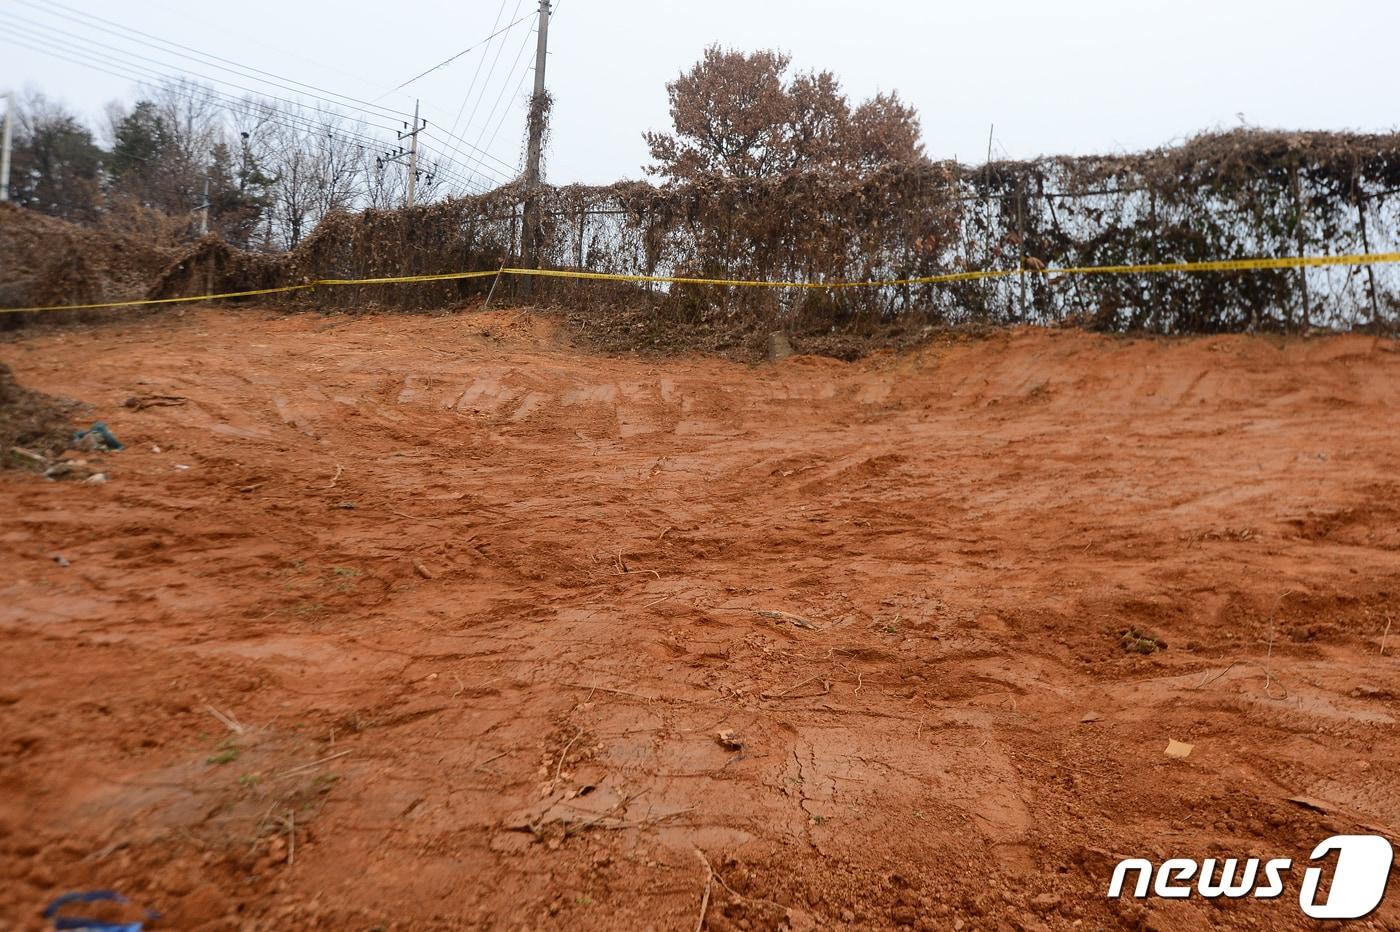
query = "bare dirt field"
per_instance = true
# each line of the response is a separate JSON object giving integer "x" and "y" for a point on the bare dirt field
{"x": 406, "y": 622}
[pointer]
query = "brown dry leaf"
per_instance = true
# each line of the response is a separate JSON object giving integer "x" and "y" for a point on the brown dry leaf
{"x": 729, "y": 740}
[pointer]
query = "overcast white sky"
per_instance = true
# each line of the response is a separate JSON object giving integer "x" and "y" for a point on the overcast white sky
{"x": 1072, "y": 76}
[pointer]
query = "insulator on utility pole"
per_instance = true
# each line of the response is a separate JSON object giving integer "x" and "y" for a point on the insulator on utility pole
{"x": 412, "y": 136}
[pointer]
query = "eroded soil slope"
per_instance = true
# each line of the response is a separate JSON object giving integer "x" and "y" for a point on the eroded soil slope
{"x": 435, "y": 623}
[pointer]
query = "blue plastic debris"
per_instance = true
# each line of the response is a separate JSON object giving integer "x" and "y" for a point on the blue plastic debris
{"x": 100, "y": 435}
{"x": 93, "y": 925}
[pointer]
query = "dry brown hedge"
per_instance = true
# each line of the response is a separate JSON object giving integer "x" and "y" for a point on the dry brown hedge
{"x": 1219, "y": 196}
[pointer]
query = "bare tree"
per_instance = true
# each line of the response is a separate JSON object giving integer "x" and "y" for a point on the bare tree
{"x": 335, "y": 158}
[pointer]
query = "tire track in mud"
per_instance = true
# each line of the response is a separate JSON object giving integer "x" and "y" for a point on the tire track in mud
{"x": 544, "y": 605}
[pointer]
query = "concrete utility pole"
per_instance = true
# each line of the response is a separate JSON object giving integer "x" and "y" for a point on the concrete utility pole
{"x": 413, "y": 155}
{"x": 204, "y": 211}
{"x": 6, "y": 140}
{"x": 531, "y": 227}
{"x": 412, "y": 136}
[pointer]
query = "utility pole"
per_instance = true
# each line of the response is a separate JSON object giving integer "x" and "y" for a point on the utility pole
{"x": 6, "y": 140}
{"x": 412, "y": 136}
{"x": 530, "y": 232}
{"x": 413, "y": 154}
{"x": 204, "y": 211}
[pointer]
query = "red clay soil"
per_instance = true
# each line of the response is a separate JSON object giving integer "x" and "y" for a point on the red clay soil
{"x": 437, "y": 623}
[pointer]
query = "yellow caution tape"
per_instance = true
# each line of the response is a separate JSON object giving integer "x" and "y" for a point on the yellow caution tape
{"x": 282, "y": 289}
{"x": 1224, "y": 265}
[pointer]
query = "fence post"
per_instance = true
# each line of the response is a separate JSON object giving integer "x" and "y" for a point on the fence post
{"x": 1366, "y": 247}
{"x": 1021, "y": 241}
{"x": 578, "y": 246}
{"x": 1301, "y": 237}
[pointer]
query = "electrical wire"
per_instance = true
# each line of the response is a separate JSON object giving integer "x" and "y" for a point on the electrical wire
{"x": 109, "y": 54}
{"x": 180, "y": 49}
{"x": 476, "y": 74}
{"x": 241, "y": 70}
{"x": 519, "y": 89}
{"x": 490, "y": 72}
{"x": 447, "y": 61}
{"x": 292, "y": 120}
{"x": 480, "y": 169}
{"x": 476, "y": 105}
{"x": 501, "y": 95}
{"x": 494, "y": 175}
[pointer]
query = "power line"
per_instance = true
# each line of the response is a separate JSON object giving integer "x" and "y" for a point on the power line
{"x": 447, "y": 61}
{"x": 500, "y": 96}
{"x": 489, "y": 73}
{"x": 519, "y": 88}
{"x": 206, "y": 55}
{"x": 238, "y": 69}
{"x": 494, "y": 175}
{"x": 491, "y": 173}
{"x": 288, "y": 119}
{"x": 476, "y": 74}
{"x": 61, "y": 38}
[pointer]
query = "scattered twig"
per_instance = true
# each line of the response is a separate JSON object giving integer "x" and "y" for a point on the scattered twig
{"x": 102, "y": 853}
{"x": 657, "y": 602}
{"x": 423, "y": 570}
{"x": 336, "y": 478}
{"x": 1386, "y": 636}
{"x": 258, "y": 829}
{"x": 1269, "y": 662}
{"x": 705, "y": 897}
{"x": 772, "y": 695}
{"x": 41, "y": 460}
{"x": 227, "y": 720}
{"x": 494, "y": 757}
{"x": 291, "y": 837}
{"x": 315, "y": 763}
{"x": 559, "y": 768}
{"x": 573, "y": 827}
{"x": 731, "y": 891}
{"x": 1207, "y": 679}
{"x": 790, "y": 618}
{"x": 1269, "y": 656}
